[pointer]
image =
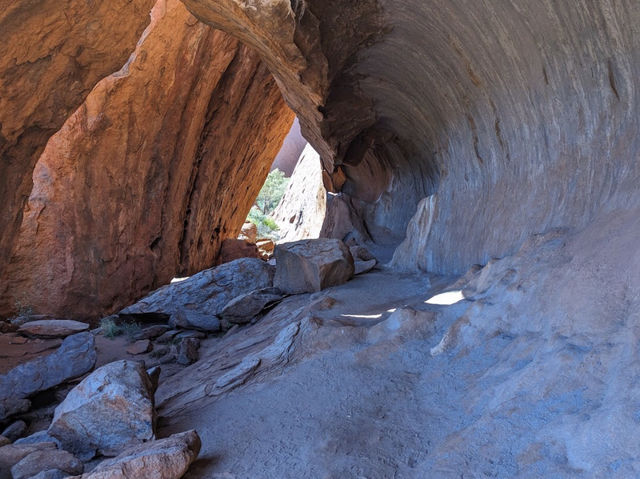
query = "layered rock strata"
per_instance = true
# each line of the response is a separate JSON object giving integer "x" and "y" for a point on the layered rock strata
{"x": 149, "y": 176}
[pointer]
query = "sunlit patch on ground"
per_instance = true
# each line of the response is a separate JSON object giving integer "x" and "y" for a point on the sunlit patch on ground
{"x": 446, "y": 299}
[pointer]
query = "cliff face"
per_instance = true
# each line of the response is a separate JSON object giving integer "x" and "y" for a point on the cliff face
{"x": 517, "y": 117}
{"x": 53, "y": 53}
{"x": 144, "y": 181}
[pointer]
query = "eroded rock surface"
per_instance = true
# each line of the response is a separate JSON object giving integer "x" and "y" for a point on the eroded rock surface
{"x": 53, "y": 55}
{"x": 134, "y": 189}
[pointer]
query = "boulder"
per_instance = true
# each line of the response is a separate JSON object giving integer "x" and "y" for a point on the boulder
{"x": 233, "y": 249}
{"x": 12, "y": 454}
{"x": 188, "y": 351}
{"x": 46, "y": 460}
{"x": 53, "y": 328}
{"x": 37, "y": 438}
{"x": 15, "y": 430}
{"x": 208, "y": 291}
{"x": 312, "y": 265}
{"x": 188, "y": 319}
{"x": 249, "y": 232}
{"x": 75, "y": 357}
{"x": 152, "y": 332}
{"x": 364, "y": 266}
{"x": 360, "y": 253}
{"x": 107, "y": 411}
{"x": 244, "y": 308}
{"x": 163, "y": 459}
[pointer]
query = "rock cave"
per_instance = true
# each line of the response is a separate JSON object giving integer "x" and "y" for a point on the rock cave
{"x": 446, "y": 280}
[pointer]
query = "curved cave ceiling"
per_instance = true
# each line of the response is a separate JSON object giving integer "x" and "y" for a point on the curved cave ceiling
{"x": 517, "y": 116}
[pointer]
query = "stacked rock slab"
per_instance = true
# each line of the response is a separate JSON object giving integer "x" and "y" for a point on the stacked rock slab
{"x": 134, "y": 190}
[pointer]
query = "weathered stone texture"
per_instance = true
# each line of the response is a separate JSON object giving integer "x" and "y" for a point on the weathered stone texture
{"x": 53, "y": 53}
{"x": 144, "y": 181}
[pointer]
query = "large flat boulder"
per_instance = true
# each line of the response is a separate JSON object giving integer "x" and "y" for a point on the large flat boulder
{"x": 209, "y": 291}
{"x": 53, "y": 328}
{"x": 307, "y": 266}
{"x": 75, "y": 357}
{"x": 163, "y": 459}
{"x": 107, "y": 411}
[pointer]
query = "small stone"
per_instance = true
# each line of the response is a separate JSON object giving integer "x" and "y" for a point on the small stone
{"x": 4, "y": 441}
{"x": 188, "y": 351}
{"x": 15, "y": 431}
{"x": 152, "y": 332}
{"x": 18, "y": 340}
{"x": 53, "y": 328}
{"x": 188, "y": 319}
{"x": 51, "y": 474}
{"x": 191, "y": 334}
{"x": 154, "y": 376}
{"x": 140, "y": 347}
{"x": 167, "y": 337}
{"x": 249, "y": 232}
{"x": 364, "y": 266}
{"x": 39, "y": 437}
{"x": 245, "y": 307}
{"x": 360, "y": 253}
{"x": 44, "y": 460}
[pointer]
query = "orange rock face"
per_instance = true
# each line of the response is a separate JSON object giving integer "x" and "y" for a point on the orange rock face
{"x": 53, "y": 54}
{"x": 147, "y": 178}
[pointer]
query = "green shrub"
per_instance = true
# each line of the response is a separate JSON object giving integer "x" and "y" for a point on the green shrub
{"x": 109, "y": 328}
{"x": 272, "y": 191}
{"x": 267, "y": 227}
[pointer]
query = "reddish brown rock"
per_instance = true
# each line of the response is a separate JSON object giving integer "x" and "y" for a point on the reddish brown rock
{"x": 53, "y": 53}
{"x": 233, "y": 249}
{"x": 134, "y": 189}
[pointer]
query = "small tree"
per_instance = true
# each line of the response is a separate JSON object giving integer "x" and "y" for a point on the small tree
{"x": 272, "y": 191}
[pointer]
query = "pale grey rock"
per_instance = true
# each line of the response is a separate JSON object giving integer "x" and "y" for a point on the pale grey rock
{"x": 154, "y": 377}
{"x": 361, "y": 267}
{"x": 45, "y": 460}
{"x": 189, "y": 319}
{"x": 301, "y": 212}
{"x": 109, "y": 409}
{"x": 53, "y": 328}
{"x": 167, "y": 337}
{"x": 15, "y": 430}
{"x": 162, "y": 459}
{"x": 209, "y": 291}
{"x": 75, "y": 356}
{"x": 245, "y": 307}
{"x": 312, "y": 265}
{"x": 39, "y": 437}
